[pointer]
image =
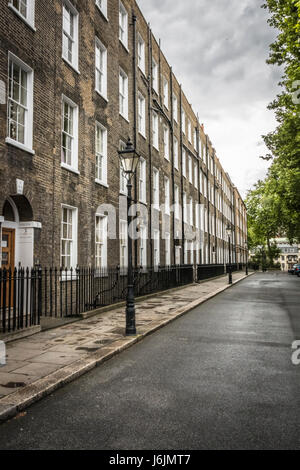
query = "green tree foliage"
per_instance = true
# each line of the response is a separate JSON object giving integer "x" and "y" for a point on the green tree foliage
{"x": 274, "y": 204}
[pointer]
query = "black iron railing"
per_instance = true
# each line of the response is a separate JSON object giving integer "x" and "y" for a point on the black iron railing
{"x": 26, "y": 295}
{"x": 208, "y": 271}
{"x": 20, "y": 298}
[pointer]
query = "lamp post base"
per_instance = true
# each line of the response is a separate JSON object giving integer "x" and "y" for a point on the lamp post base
{"x": 130, "y": 313}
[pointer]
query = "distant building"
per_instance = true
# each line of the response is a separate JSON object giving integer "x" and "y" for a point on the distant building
{"x": 290, "y": 254}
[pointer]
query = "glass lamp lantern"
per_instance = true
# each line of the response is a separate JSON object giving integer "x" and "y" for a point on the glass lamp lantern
{"x": 129, "y": 159}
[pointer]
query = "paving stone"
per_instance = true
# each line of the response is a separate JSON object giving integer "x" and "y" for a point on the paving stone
{"x": 56, "y": 358}
{"x": 12, "y": 365}
{"x": 20, "y": 353}
{"x": 37, "y": 369}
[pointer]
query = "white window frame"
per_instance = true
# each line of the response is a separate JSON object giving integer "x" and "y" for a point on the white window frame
{"x": 143, "y": 246}
{"x": 154, "y": 75}
{"x": 176, "y": 202}
{"x": 142, "y": 181}
{"x": 195, "y": 139}
{"x": 184, "y": 163}
{"x": 191, "y": 212}
{"x": 184, "y": 203}
{"x": 101, "y": 154}
{"x": 123, "y": 93}
{"x": 156, "y": 188}
{"x": 74, "y": 152}
{"x": 176, "y": 159}
{"x": 103, "y": 245}
{"x": 75, "y": 38}
{"x": 123, "y": 25}
{"x": 197, "y": 216}
{"x": 30, "y": 14}
{"x": 123, "y": 244}
{"x": 189, "y": 131}
{"x": 165, "y": 92}
{"x": 141, "y": 55}
{"x": 167, "y": 249}
{"x": 175, "y": 108}
{"x": 196, "y": 175}
{"x": 28, "y": 108}
{"x": 201, "y": 182}
{"x": 156, "y": 248}
{"x": 183, "y": 121}
{"x": 190, "y": 162}
{"x": 142, "y": 114}
{"x": 167, "y": 195}
{"x": 101, "y": 70}
{"x": 102, "y": 6}
{"x": 73, "y": 254}
{"x": 185, "y": 252}
{"x": 155, "y": 130}
{"x": 166, "y": 143}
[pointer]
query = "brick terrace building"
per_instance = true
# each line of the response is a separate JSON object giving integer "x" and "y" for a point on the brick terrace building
{"x": 77, "y": 78}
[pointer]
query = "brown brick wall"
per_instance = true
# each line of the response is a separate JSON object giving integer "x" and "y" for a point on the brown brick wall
{"x": 47, "y": 184}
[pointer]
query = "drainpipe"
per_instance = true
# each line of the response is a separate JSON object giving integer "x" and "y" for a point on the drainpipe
{"x": 198, "y": 166}
{"x": 223, "y": 218}
{"x": 208, "y": 196}
{"x": 150, "y": 74}
{"x": 216, "y": 240}
{"x": 181, "y": 177}
{"x": 172, "y": 163}
{"x": 134, "y": 118}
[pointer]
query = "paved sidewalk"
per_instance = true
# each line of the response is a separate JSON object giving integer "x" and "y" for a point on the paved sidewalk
{"x": 39, "y": 364}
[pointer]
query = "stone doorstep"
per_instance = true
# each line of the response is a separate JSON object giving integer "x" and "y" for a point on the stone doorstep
{"x": 12, "y": 404}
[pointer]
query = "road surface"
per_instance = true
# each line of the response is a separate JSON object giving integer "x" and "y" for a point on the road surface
{"x": 221, "y": 377}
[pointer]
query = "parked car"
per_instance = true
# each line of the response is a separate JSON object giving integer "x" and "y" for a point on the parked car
{"x": 295, "y": 270}
{"x": 292, "y": 270}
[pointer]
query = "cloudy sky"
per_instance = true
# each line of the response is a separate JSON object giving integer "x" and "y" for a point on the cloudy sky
{"x": 218, "y": 50}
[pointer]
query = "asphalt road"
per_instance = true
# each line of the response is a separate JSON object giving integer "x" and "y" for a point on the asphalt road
{"x": 220, "y": 377}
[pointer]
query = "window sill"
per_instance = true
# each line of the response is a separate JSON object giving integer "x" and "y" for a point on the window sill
{"x": 124, "y": 117}
{"x": 70, "y": 168}
{"x": 168, "y": 160}
{"x": 142, "y": 135}
{"x": 101, "y": 183}
{"x": 71, "y": 65}
{"x": 142, "y": 71}
{"x": 102, "y": 13}
{"x": 20, "y": 146}
{"x": 31, "y": 26}
{"x": 102, "y": 96}
{"x": 156, "y": 148}
{"x": 124, "y": 45}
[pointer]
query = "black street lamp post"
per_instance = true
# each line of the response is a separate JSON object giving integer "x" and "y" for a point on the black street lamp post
{"x": 129, "y": 160}
{"x": 228, "y": 230}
